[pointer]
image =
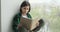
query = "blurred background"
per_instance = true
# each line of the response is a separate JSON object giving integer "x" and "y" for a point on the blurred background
{"x": 49, "y": 10}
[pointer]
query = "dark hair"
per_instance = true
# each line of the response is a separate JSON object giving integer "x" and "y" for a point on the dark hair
{"x": 25, "y": 3}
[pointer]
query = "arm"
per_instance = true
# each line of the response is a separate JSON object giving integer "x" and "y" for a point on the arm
{"x": 15, "y": 23}
{"x": 18, "y": 27}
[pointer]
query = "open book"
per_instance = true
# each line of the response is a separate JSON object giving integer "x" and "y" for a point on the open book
{"x": 29, "y": 24}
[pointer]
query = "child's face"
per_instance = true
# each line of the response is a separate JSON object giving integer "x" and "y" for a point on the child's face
{"x": 25, "y": 9}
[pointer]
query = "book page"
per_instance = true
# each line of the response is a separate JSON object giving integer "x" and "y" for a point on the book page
{"x": 29, "y": 23}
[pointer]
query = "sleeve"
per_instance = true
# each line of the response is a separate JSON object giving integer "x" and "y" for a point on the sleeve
{"x": 15, "y": 23}
{"x": 29, "y": 15}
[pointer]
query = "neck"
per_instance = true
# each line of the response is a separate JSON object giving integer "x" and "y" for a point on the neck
{"x": 23, "y": 13}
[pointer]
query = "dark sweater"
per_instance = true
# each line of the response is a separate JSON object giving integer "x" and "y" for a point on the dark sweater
{"x": 16, "y": 21}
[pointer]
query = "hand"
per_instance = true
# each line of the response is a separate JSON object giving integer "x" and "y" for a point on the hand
{"x": 19, "y": 25}
{"x": 37, "y": 24}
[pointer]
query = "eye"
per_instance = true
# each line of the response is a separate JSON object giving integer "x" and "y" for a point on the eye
{"x": 24, "y": 8}
{"x": 27, "y": 9}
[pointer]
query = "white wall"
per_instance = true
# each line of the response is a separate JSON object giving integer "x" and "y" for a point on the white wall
{"x": 8, "y": 9}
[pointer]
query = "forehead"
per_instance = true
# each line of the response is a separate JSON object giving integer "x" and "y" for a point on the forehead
{"x": 26, "y": 7}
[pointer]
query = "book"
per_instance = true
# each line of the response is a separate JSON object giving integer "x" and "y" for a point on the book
{"x": 29, "y": 24}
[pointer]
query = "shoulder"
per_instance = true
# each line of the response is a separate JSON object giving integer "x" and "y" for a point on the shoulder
{"x": 29, "y": 16}
{"x": 16, "y": 16}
